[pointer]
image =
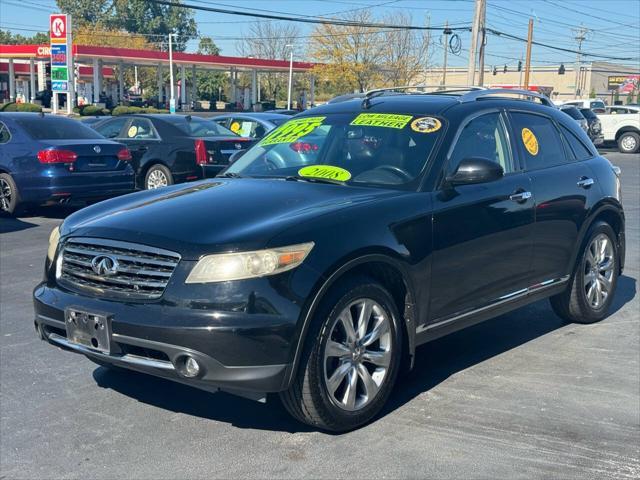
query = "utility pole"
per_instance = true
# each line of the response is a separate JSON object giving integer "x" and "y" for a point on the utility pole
{"x": 527, "y": 66}
{"x": 446, "y": 50}
{"x": 471, "y": 69}
{"x": 172, "y": 98}
{"x": 290, "y": 76}
{"x": 581, "y": 35}
{"x": 483, "y": 41}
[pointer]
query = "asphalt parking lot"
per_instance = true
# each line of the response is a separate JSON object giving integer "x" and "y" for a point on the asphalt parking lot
{"x": 523, "y": 395}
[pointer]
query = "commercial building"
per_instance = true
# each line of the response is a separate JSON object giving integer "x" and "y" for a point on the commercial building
{"x": 600, "y": 78}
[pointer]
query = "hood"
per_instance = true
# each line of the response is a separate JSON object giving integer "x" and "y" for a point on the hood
{"x": 215, "y": 215}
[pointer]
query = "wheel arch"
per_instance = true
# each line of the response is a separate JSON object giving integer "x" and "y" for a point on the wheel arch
{"x": 381, "y": 265}
{"x": 625, "y": 129}
{"x": 147, "y": 166}
{"x": 610, "y": 212}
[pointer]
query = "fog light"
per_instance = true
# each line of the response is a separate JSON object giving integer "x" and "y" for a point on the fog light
{"x": 188, "y": 367}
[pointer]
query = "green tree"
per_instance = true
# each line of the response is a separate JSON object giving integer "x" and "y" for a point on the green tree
{"x": 209, "y": 83}
{"x": 592, "y": 93}
{"x": 8, "y": 38}
{"x": 136, "y": 16}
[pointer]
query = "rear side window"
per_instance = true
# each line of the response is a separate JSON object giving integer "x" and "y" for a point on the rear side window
{"x": 579, "y": 150}
{"x": 4, "y": 133}
{"x": 55, "y": 128}
{"x": 141, "y": 129}
{"x": 539, "y": 141}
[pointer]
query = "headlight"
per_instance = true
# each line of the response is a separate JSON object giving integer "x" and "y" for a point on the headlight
{"x": 237, "y": 266}
{"x": 54, "y": 238}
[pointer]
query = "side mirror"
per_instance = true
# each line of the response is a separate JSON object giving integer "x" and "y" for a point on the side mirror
{"x": 475, "y": 170}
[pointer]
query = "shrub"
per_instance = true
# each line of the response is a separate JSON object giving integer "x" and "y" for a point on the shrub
{"x": 122, "y": 110}
{"x": 93, "y": 110}
{"x": 20, "y": 107}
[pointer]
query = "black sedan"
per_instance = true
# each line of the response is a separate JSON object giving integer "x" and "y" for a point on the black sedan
{"x": 168, "y": 149}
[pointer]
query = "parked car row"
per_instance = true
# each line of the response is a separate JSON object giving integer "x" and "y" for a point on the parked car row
{"x": 46, "y": 158}
{"x": 607, "y": 124}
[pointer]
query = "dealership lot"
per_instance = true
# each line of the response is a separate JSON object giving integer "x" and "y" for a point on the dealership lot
{"x": 518, "y": 396}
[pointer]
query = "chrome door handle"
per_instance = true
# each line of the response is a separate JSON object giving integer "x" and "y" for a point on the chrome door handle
{"x": 520, "y": 196}
{"x": 585, "y": 182}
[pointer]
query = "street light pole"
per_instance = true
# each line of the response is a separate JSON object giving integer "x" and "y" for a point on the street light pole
{"x": 172, "y": 101}
{"x": 290, "y": 76}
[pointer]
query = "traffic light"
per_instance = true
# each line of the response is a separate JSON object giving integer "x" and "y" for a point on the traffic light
{"x": 519, "y": 65}
{"x": 561, "y": 69}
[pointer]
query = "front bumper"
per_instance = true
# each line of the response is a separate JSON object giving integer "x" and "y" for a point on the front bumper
{"x": 241, "y": 347}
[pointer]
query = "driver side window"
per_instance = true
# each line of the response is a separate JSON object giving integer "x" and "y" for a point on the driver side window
{"x": 484, "y": 137}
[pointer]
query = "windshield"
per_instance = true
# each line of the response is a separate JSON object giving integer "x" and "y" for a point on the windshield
{"x": 199, "y": 127}
{"x": 372, "y": 149}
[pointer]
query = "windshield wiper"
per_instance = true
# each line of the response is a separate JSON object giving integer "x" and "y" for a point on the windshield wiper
{"x": 299, "y": 178}
{"x": 230, "y": 175}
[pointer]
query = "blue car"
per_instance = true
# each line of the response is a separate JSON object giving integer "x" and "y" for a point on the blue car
{"x": 46, "y": 159}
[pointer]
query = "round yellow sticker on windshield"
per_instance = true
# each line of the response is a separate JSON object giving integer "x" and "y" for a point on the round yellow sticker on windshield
{"x": 132, "y": 131}
{"x": 325, "y": 171}
{"x": 235, "y": 127}
{"x": 426, "y": 125}
{"x": 530, "y": 141}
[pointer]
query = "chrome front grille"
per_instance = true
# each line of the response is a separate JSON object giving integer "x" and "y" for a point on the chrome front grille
{"x": 115, "y": 269}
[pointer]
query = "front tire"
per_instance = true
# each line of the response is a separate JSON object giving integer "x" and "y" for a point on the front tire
{"x": 157, "y": 176}
{"x": 629, "y": 142}
{"x": 9, "y": 195}
{"x": 594, "y": 280}
{"x": 351, "y": 358}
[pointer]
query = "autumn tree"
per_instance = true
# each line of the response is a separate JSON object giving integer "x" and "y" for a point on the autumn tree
{"x": 8, "y": 38}
{"x": 351, "y": 55}
{"x": 405, "y": 53}
{"x": 269, "y": 40}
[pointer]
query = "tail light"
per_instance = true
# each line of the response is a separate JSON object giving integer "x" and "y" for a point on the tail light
{"x": 124, "y": 154}
{"x": 57, "y": 156}
{"x": 304, "y": 147}
{"x": 201, "y": 152}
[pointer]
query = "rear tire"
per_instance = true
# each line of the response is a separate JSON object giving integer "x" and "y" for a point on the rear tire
{"x": 629, "y": 142}
{"x": 594, "y": 280}
{"x": 157, "y": 176}
{"x": 9, "y": 196}
{"x": 347, "y": 373}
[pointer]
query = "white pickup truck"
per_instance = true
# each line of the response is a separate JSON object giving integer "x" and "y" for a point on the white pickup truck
{"x": 621, "y": 124}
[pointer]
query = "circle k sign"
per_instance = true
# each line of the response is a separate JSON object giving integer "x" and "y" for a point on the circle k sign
{"x": 58, "y": 27}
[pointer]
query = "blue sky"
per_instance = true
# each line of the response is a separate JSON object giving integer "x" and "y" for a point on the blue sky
{"x": 614, "y": 25}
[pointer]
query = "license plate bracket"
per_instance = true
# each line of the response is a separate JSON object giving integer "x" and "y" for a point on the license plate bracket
{"x": 89, "y": 329}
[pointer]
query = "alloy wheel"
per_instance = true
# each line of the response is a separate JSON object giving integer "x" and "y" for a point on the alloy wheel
{"x": 5, "y": 195}
{"x": 157, "y": 179}
{"x": 357, "y": 354}
{"x": 599, "y": 270}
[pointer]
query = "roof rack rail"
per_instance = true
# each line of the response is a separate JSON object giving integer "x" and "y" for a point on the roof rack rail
{"x": 420, "y": 88}
{"x": 477, "y": 94}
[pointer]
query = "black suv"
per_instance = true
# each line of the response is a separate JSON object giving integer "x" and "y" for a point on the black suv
{"x": 322, "y": 257}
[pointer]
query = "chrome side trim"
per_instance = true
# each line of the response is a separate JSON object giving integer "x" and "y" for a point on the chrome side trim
{"x": 128, "y": 359}
{"x": 509, "y": 297}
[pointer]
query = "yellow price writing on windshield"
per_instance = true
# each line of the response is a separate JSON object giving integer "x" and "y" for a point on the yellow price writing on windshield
{"x": 292, "y": 130}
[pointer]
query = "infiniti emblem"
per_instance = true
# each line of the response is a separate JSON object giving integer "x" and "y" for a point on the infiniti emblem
{"x": 104, "y": 265}
{"x": 97, "y": 149}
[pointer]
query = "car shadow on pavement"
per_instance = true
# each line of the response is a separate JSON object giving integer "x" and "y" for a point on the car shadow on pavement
{"x": 434, "y": 363}
{"x": 8, "y": 225}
